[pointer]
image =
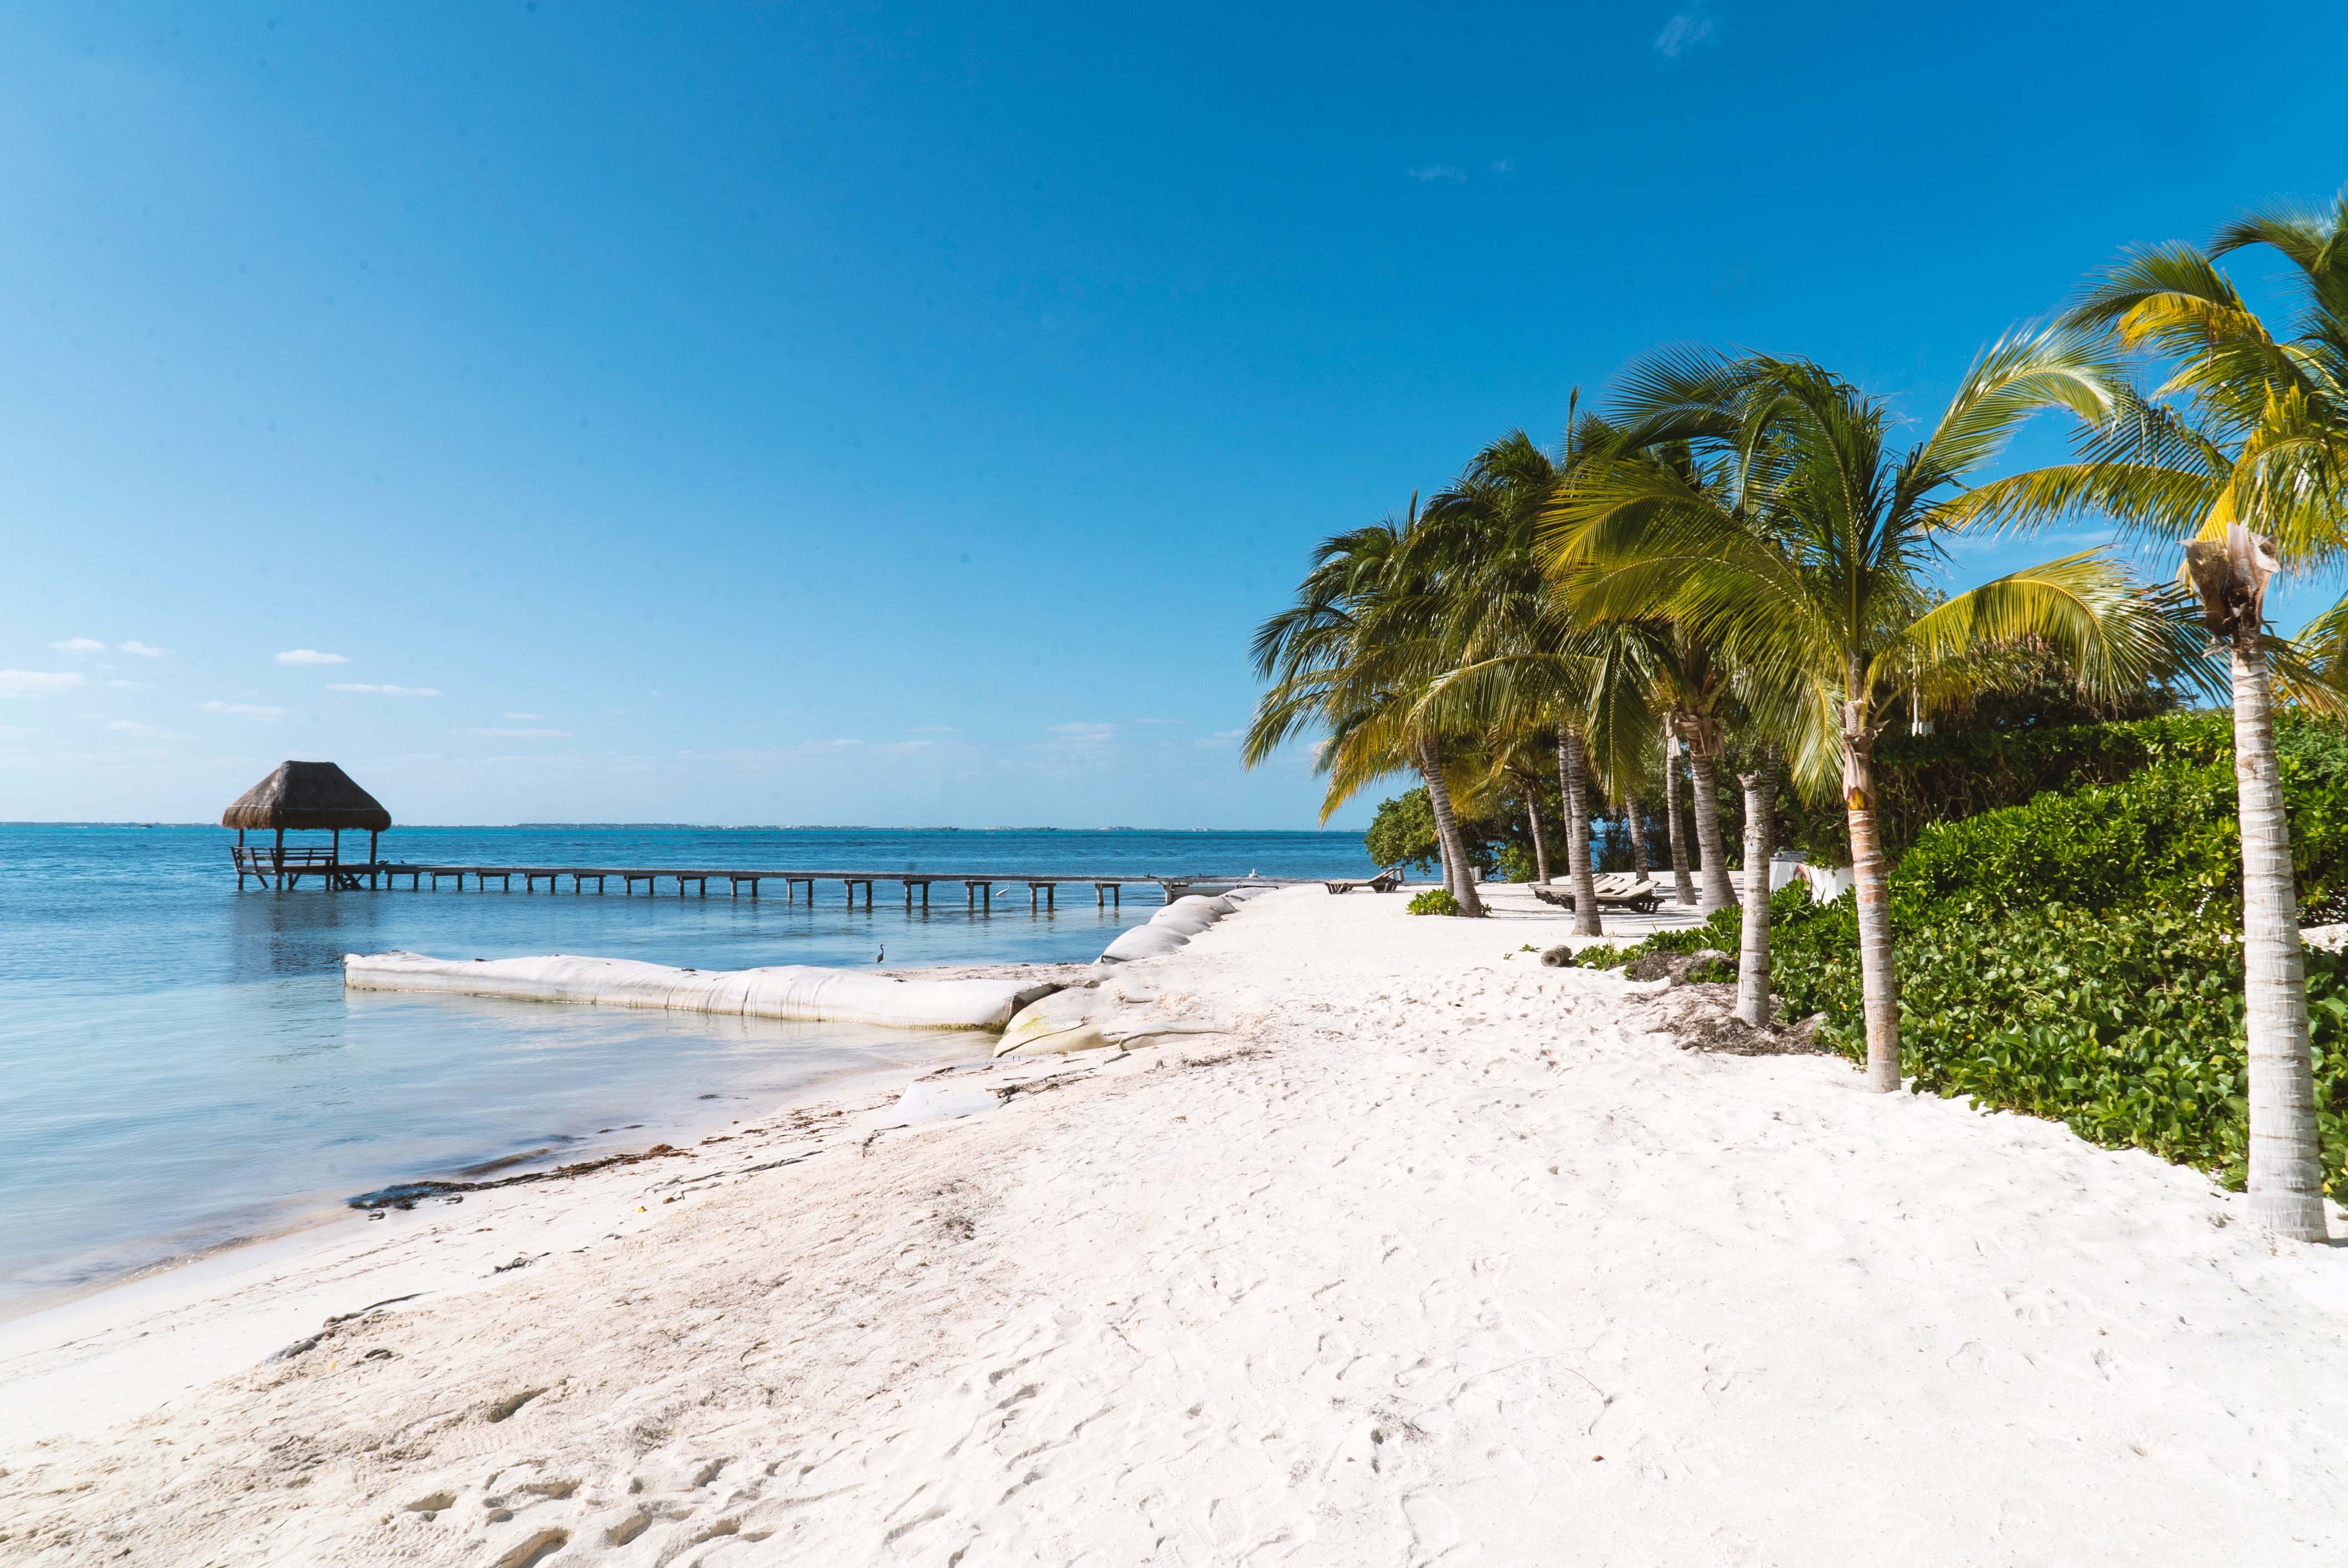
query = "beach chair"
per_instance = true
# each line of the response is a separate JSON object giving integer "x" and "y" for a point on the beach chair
{"x": 1386, "y": 881}
{"x": 1620, "y": 889}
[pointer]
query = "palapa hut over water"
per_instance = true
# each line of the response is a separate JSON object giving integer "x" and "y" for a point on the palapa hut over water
{"x": 305, "y": 797}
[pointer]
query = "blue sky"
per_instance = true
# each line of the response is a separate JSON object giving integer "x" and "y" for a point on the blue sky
{"x": 901, "y": 415}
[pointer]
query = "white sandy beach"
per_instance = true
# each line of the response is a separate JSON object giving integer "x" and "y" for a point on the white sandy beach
{"x": 1432, "y": 1256}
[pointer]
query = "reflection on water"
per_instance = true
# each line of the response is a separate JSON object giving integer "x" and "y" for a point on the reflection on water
{"x": 182, "y": 1065}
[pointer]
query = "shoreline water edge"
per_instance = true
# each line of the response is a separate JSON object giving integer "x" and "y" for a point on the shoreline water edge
{"x": 187, "y": 1070}
{"x": 1357, "y": 1236}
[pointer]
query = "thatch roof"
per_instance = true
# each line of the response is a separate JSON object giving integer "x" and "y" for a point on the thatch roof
{"x": 306, "y": 795}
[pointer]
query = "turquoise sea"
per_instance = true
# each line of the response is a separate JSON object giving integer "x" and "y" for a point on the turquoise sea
{"x": 180, "y": 1066}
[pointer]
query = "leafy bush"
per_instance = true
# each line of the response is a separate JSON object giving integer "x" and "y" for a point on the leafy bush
{"x": 1403, "y": 832}
{"x": 1924, "y": 779}
{"x": 2125, "y": 1026}
{"x": 1435, "y": 901}
{"x": 1725, "y": 928}
{"x": 2070, "y": 950}
{"x": 2167, "y": 837}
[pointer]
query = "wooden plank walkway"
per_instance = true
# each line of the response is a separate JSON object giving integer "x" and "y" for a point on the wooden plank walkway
{"x": 978, "y": 888}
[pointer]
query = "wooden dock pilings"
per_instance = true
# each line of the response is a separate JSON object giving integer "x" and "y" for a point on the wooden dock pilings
{"x": 286, "y": 869}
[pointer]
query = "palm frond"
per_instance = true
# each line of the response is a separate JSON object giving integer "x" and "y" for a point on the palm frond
{"x": 2083, "y": 607}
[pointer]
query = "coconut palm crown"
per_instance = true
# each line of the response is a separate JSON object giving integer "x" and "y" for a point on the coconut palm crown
{"x": 2241, "y": 454}
{"x": 1805, "y": 543}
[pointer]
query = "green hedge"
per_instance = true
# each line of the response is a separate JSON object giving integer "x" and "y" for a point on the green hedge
{"x": 2125, "y": 1026}
{"x": 2167, "y": 837}
{"x": 1921, "y": 780}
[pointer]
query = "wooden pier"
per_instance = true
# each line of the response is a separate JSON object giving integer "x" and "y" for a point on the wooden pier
{"x": 285, "y": 868}
{"x": 319, "y": 797}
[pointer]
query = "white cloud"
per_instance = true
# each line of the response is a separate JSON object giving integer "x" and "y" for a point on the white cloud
{"x": 134, "y": 685}
{"x": 1435, "y": 171}
{"x": 79, "y": 645}
{"x": 260, "y": 712}
{"x": 140, "y": 649}
{"x": 525, "y": 715}
{"x": 385, "y": 690}
{"x": 37, "y": 683}
{"x": 124, "y": 727}
{"x": 15, "y": 731}
{"x": 1681, "y": 33}
{"x": 521, "y": 734}
{"x": 310, "y": 656}
{"x": 932, "y": 730}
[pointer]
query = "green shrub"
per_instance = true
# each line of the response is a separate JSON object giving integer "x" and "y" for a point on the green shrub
{"x": 1606, "y": 956}
{"x": 2126, "y": 1026}
{"x": 2074, "y": 956}
{"x": 1726, "y": 928}
{"x": 2167, "y": 837}
{"x": 1435, "y": 901}
{"x": 1924, "y": 779}
{"x": 1403, "y": 832}
{"x": 1517, "y": 863}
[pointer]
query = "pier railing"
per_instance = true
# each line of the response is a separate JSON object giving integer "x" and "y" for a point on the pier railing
{"x": 285, "y": 868}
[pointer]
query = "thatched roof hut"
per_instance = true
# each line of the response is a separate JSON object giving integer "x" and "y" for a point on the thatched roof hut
{"x": 307, "y": 795}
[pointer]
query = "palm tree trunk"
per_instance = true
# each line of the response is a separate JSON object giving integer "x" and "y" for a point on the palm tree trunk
{"x": 2286, "y": 1172}
{"x": 1460, "y": 875}
{"x": 1683, "y": 884}
{"x": 1540, "y": 845}
{"x": 1638, "y": 835}
{"x": 1753, "y": 956}
{"x": 1718, "y": 894}
{"x": 1571, "y": 769}
{"x": 1878, "y": 984}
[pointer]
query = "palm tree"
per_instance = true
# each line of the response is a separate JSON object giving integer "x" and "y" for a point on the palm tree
{"x": 1518, "y": 669}
{"x": 1682, "y": 672}
{"x": 1803, "y": 550}
{"x": 1683, "y": 885}
{"x": 1692, "y": 684}
{"x": 1753, "y": 955}
{"x": 1516, "y": 757}
{"x": 1352, "y": 658}
{"x": 2243, "y": 454}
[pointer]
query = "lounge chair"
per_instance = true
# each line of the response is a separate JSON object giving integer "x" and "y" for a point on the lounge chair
{"x": 1386, "y": 881}
{"x": 1624, "y": 890}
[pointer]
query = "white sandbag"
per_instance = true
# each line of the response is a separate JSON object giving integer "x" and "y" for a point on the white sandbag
{"x": 1063, "y": 1021}
{"x": 1182, "y": 920}
{"x": 1239, "y": 895}
{"x": 1144, "y": 942}
{"x": 940, "y": 1100}
{"x": 805, "y": 992}
{"x": 1200, "y": 905}
{"x": 1091, "y": 1018}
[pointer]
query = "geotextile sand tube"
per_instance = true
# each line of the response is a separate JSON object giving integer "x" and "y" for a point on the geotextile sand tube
{"x": 804, "y": 992}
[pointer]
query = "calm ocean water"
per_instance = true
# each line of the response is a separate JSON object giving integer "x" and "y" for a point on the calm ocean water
{"x": 180, "y": 1066}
